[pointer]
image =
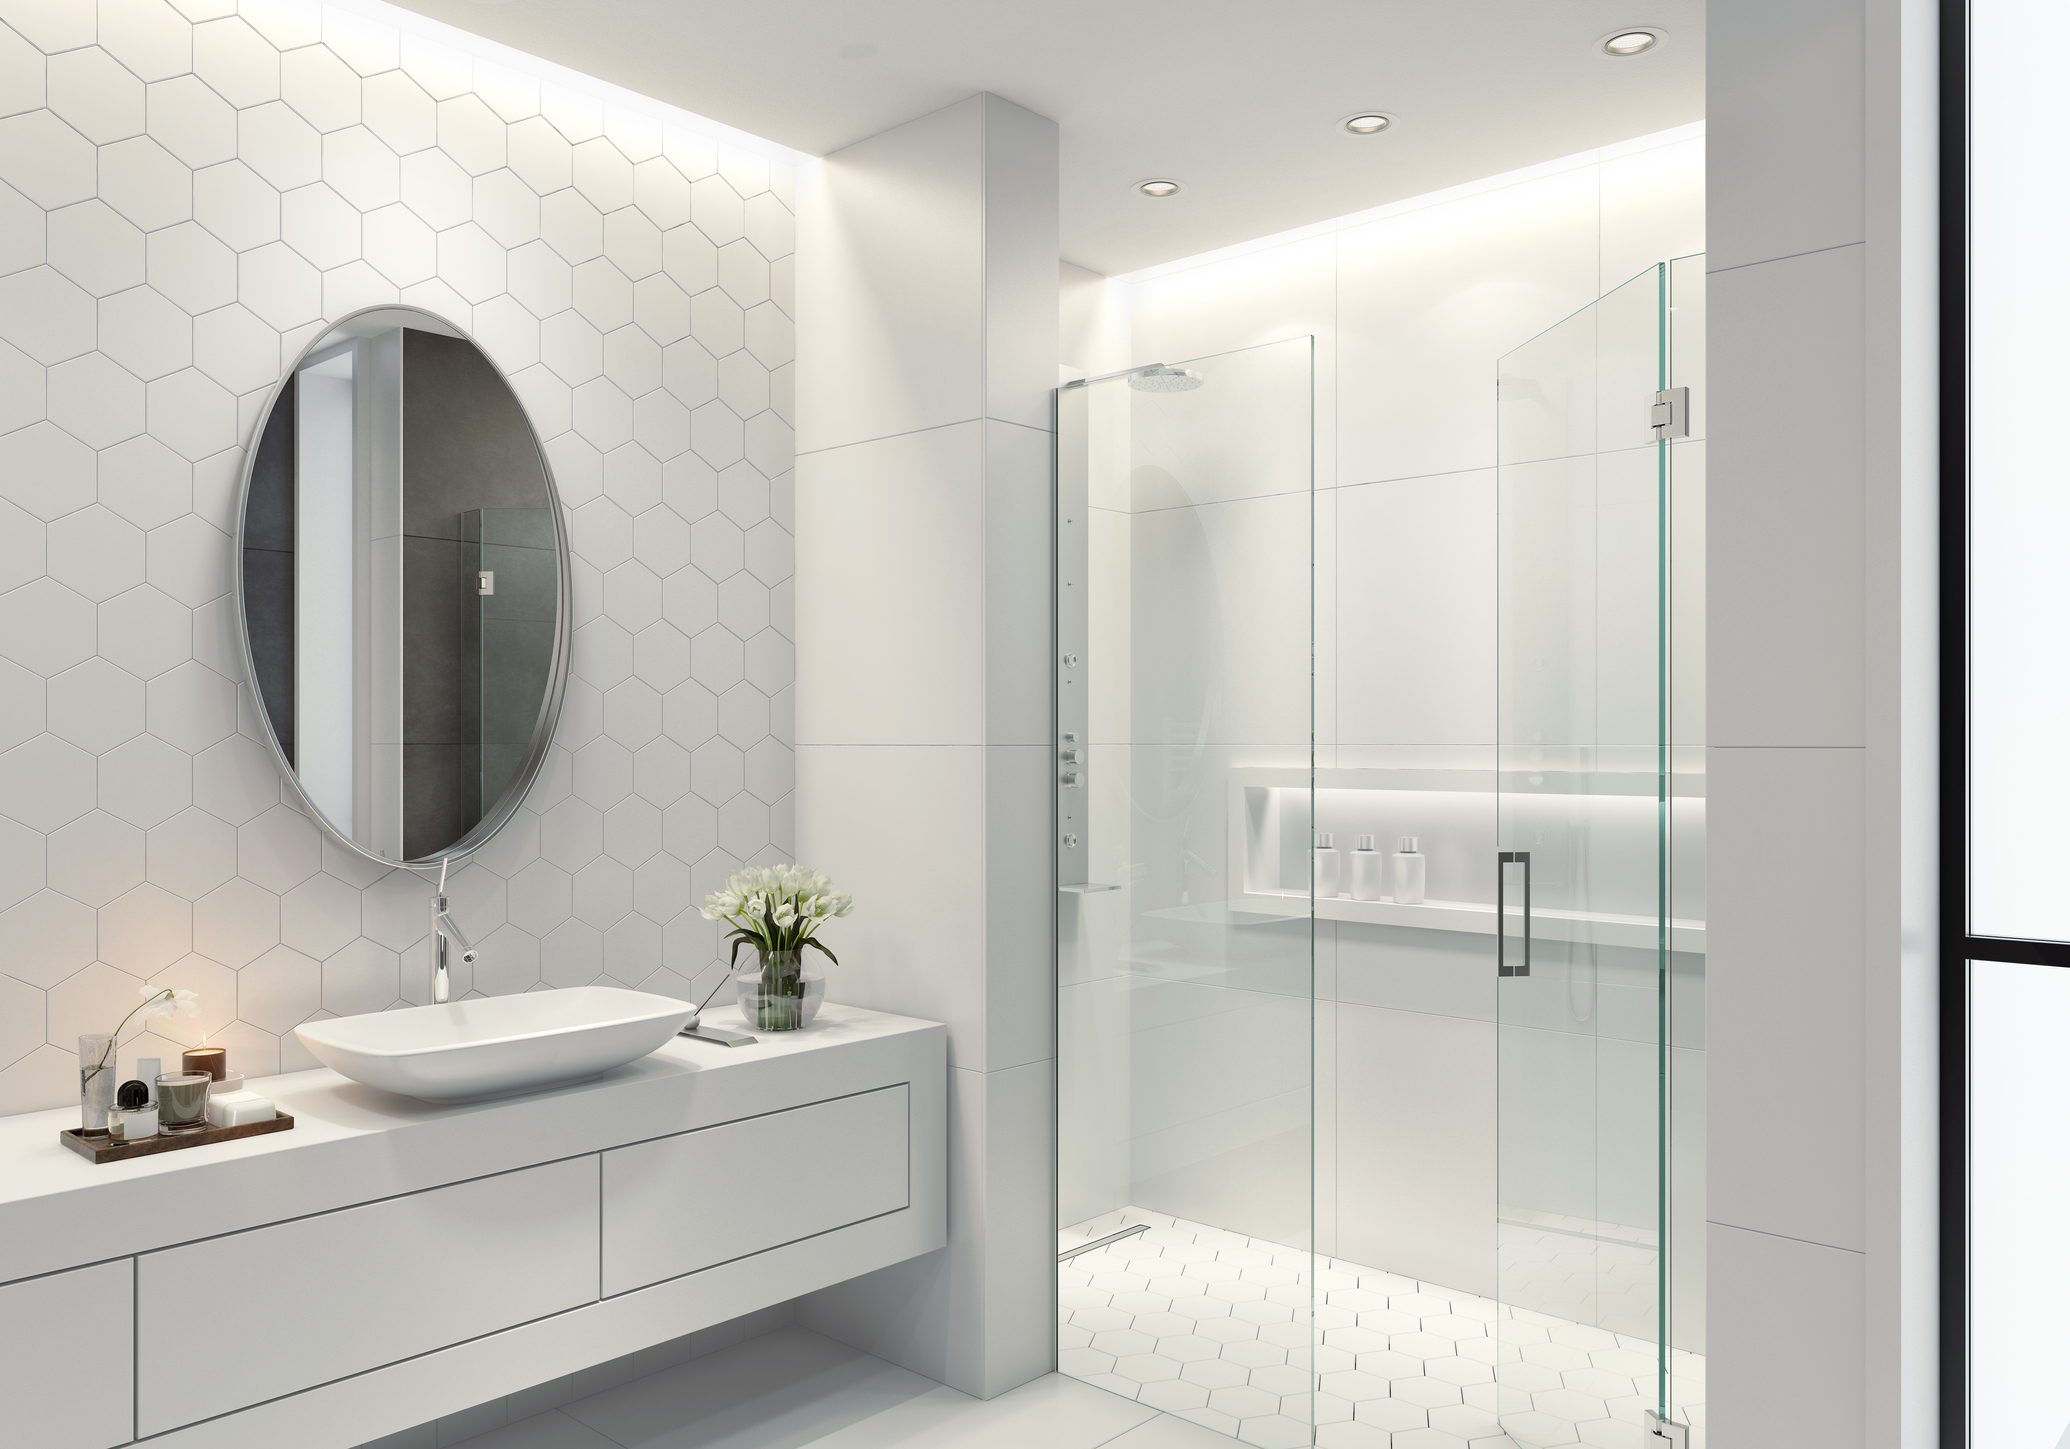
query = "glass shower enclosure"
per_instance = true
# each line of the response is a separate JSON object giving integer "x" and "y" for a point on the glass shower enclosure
{"x": 1380, "y": 1083}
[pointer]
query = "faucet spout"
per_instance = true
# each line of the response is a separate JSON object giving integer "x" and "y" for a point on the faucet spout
{"x": 445, "y": 935}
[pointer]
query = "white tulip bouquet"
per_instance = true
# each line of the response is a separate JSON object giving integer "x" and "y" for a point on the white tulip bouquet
{"x": 778, "y": 910}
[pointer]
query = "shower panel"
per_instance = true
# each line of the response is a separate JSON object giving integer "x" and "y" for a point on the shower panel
{"x": 1185, "y": 1024}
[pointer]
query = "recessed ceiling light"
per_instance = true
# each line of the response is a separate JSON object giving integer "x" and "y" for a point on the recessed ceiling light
{"x": 1631, "y": 42}
{"x": 1366, "y": 123}
{"x": 1159, "y": 188}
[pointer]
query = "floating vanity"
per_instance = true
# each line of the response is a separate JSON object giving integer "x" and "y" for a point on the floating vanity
{"x": 394, "y": 1260}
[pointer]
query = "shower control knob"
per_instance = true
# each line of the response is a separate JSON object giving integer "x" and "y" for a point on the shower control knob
{"x": 1070, "y": 842}
{"x": 1070, "y": 779}
{"x": 1070, "y": 661}
{"x": 1070, "y": 755}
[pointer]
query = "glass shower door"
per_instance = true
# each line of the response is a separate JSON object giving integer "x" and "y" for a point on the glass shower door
{"x": 1583, "y": 946}
{"x": 1185, "y": 935}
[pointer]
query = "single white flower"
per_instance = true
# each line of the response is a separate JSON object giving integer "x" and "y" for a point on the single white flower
{"x": 164, "y": 1002}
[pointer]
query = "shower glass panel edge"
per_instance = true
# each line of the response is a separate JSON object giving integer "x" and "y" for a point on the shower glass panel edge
{"x": 1185, "y": 756}
{"x": 1600, "y": 834}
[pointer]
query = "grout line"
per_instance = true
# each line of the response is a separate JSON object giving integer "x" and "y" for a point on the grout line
{"x": 1786, "y": 257}
{"x": 885, "y": 437}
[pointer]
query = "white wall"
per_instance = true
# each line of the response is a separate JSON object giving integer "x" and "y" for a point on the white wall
{"x": 929, "y": 288}
{"x": 187, "y": 193}
{"x": 1410, "y": 307}
{"x": 1823, "y": 698}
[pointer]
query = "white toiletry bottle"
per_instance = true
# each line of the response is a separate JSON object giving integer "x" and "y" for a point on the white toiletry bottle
{"x": 1408, "y": 873}
{"x": 1329, "y": 868}
{"x": 1366, "y": 867}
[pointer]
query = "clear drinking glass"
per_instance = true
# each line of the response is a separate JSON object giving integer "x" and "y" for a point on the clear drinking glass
{"x": 97, "y": 1083}
{"x": 183, "y": 1101}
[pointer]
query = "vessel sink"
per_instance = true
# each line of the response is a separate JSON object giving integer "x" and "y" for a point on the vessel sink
{"x": 467, "y": 1051}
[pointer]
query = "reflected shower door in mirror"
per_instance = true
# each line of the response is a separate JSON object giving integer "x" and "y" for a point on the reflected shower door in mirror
{"x": 403, "y": 586}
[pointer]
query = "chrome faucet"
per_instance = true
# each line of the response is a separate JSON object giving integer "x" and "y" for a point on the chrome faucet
{"x": 444, "y": 936}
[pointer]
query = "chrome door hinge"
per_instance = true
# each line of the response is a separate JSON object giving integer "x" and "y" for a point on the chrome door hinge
{"x": 1665, "y": 1433}
{"x": 1670, "y": 415}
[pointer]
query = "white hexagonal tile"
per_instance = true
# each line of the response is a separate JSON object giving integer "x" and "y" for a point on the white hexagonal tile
{"x": 149, "y": 930}
{"x": 716, "y": 321}
{"x": 47, "y": 938}
{"x": 769, "y": 334}
{"x": 471, "y": 262}
{"x": 602, "y": 413}
{"x": 236, "y": 62}
{"x": 539, "y": 897}
{"x": 236, "y": 205}
{"x": 771, "y": 774}
{"x": 603, "y": 294}
{"x": 717, "y": 771}
{"x": 690, "y": 829}
{"x": 279, "y": 849}
{"x": 91, "y": 1001}
{"x": 632, "y": 243}
{"x": 46, "y": 627}
{"x": 571, "y": 835}
{"x": 661, "y": 309}
{"x": 540, "y": 279}
{"x": 46, "y": 160}
{"x": 399, "y": 245}
{"x": 191, "y": 268}
{"x": 471, "y": 134}
{"x": 689, "y": 372}
{"x": 277, "y": 991}
{"x": 743, "y": 385}
{"x": 746, "y": 172}
{"x": 743, "y": 714}
{"x": 571, "y": 347}
{"x": 145, "y": 781}
{"x": 97, "y": 247}
{"x": 547, "y": 400}
{"x": 690, "y": 600}
{"x": 507, "y": 332}
{"x": 146, "y": 183}
{"x": 46, "y": 316}
{"x": 572, "y": 226}
{"x": 744, "y": 826}
{"x": 603, "y": 777}
{"x": 193, "y": 416}
{"x": 95, "y": 94}
{"x": 360, "y": 977}
{"x": 320, "y": 225}
{"x": 21, "y": 549}
{"x": 146, "y": 333}
{"x": 632, "y": 717}
{"x": 95, "y": 706}
{"x": 321, "y": 88}
{"x": 690, "y": 260}
{"x": 192, "y": 853}
{"x": 717, "y": 211}
{"x": 320, "y": 917}
{"x": 366, "y": 45}
{"x": 95, "y": 858}
{"x": 603, "y": 175}
{"x": 603, "y": 893}
{"x": 692, "y": 154}
{"x": 235, "y": 924}
{"x": 189, "y": 559}
{"x": 661, "y": 887}
{"x": 191, "y": 121}
{"x": 436, "y": 188}
{"x": 279, "y": 145}
{"x": 506, "y": 208}
{"x": 743, "y": 273}
{"x": 235, "y": 779}
{"x": 279, "y": 286}
{"x": 744, "y": 607}
{"x": 770, "y": 227}
{"x": 95, "y": 401}
{"x": 661, "y": 424}
{"x": 632, "y": 360}
{"x": 21, "y": 387}
{"x": 632, "y": 479}
{"x": 396, "y": 109}
{"x": 146, "y": 632}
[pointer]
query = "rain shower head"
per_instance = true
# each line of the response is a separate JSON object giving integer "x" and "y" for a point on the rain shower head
{"x": 1159, "y": 378}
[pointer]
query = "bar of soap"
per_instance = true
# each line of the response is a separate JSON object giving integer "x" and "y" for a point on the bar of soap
{"x": 234, "y": 1109}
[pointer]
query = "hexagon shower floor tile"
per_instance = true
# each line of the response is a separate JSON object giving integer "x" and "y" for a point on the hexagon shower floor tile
{"x": 185, "y": 203}
{"x": 1211, "y": 1326}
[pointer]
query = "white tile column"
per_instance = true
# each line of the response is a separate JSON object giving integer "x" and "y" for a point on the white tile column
{"x": 927, "y": 348}
{"x": 1821, "y": 690}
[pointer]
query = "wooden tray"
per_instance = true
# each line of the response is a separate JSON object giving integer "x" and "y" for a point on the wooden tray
{"x": 100, "y": 1149}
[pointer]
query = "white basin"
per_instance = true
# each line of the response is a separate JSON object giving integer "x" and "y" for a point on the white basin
{"x": 465, "y": 1051}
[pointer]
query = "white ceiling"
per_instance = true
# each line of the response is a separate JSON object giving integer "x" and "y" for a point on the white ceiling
{"x": 1237, "y": 99}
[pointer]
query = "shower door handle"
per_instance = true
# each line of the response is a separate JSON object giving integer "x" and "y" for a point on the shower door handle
{"x": 1503, "y": 861}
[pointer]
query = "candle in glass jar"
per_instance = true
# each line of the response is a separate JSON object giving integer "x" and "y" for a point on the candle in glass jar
{"x": 183, "y": 1102}
{"x": 213, "y": 1060}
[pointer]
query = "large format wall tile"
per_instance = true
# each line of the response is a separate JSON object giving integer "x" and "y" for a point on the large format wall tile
{"x": 183, "y": 207}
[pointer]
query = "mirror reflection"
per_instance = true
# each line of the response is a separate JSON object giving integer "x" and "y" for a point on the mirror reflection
{"x": 403, "y": 586}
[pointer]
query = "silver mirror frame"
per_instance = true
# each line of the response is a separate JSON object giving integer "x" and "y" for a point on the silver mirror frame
{"x": 486, "y": 829}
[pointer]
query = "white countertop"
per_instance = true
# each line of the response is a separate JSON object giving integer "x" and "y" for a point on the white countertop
{"x": 353, "y": 1143}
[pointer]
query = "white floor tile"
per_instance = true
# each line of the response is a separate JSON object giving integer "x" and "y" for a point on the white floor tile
{"x": 550, "y": 1430}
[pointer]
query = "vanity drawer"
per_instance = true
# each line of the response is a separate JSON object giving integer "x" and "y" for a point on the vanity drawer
{"x": 679, "y": 1204}
{"x": 301, "y": 1303}
{"x": 65, "y": 1347}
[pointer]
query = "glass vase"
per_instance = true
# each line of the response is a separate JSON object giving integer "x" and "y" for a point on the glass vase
{"x": 780, "y": 992}
{"x": 97, "y": 1080}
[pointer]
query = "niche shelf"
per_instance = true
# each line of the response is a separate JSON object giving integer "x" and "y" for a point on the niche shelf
{"x": 1258, "y": 856}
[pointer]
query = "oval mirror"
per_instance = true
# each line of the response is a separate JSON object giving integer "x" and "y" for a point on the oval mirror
{"x": 402, "y": 587}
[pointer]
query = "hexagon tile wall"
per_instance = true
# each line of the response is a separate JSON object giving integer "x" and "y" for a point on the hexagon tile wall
{"x": 189, "y": 190}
